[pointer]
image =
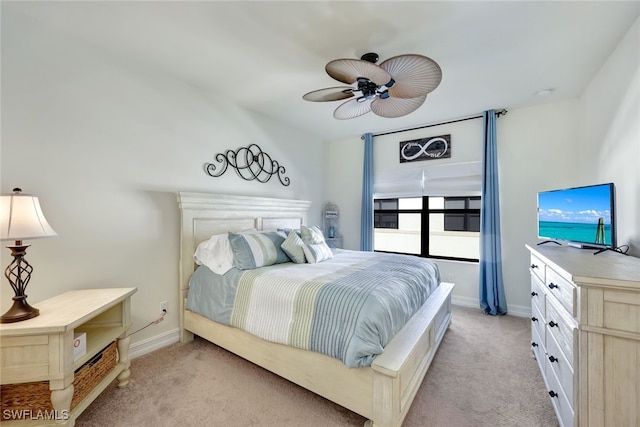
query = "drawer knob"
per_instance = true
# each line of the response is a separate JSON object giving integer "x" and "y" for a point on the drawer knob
{"x": 534, "y": 266}
{"x": 552, "y": 285}
{"x": 534, "y": 319}
{"x": 534, "y": 344}
{"x": 553, "y": 359}
{"x": 553, "y": 394}
{"x": 552, "y": 324}
{"x": 534, "y": 294}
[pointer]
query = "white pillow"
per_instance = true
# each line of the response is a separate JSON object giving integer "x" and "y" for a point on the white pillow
{"x": 312, "y": 234}
{"x": 215, "y": 253}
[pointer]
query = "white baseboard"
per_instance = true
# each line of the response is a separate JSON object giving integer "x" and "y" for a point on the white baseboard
{"x": 154, "y": 343}
{"x": 514, "y": 310}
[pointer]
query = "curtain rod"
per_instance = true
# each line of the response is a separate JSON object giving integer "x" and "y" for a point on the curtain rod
{"x": 498, "y": 114}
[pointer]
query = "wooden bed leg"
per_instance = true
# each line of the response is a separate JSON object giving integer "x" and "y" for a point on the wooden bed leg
{"x": 185, "y": 336}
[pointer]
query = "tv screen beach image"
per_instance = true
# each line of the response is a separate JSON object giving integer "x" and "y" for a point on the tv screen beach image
{"x": 576, "y": 214}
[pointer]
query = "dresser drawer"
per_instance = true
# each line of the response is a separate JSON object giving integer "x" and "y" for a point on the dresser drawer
{"x": 561, "y": 404}
{"x": 563, "y": 290}
{"x": 538, "y": 323}
{"x": 562, "y": 328}
{"x": 537, "y": 267}
{"x": 558, "y": 362}
{"x": 537, "y": 346}
{"x": 538, "y": 294}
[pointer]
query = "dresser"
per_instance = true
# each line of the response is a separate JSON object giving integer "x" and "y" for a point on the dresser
{"x": 40, "y": 372}
{"x": 585, "y": 333}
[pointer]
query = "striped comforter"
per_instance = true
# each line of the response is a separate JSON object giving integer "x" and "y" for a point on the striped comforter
{"x": 348, "y": 307}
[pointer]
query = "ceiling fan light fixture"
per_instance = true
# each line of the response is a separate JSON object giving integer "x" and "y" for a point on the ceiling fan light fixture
{"x": 396, "y": 87}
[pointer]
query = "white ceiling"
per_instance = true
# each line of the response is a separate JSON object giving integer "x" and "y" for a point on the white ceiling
{"x": 264, "y": 55}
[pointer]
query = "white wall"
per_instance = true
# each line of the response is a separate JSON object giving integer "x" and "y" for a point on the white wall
{"x": 610, "y": 135}
{"x": 105, "y": 142}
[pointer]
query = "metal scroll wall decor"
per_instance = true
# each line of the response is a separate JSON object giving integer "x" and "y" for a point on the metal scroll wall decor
{"x": 250, "y": 163}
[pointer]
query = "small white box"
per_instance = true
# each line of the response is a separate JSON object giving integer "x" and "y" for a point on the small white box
{"x": 79, "y": 345}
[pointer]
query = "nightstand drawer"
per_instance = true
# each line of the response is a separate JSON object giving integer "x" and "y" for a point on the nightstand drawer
{"x": 563, "y": 290}
{"x": 562, "y": 329}
{"x": 24, "y": 355}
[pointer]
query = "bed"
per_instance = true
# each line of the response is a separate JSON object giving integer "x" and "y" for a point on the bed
{"x": 381, "y": 392}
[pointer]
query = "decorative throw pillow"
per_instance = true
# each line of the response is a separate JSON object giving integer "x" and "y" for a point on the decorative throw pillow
{"x": 292, "y": 246}
{"x": 287, "y": 230}
{"x": 215, "y": 253}
{"x": 317, "y": 252}
{"x": 312, "y": 234}
{"x": 253, "y": 250}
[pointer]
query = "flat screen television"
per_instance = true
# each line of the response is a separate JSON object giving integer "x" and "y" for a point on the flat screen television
{"x": 581, "y": 216}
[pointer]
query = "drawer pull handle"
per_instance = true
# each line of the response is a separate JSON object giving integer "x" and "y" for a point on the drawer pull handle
{"x": 534, "y": 319}
{"x": 534, "y": 294}
{"x": 534, "y": 266}
{"x": 552, "y": 324}
{"x": 553, "y": 359}
{"x": 534, "y": 344}
{"x": 552, "y": 286}
{"x": 553, "y": 394}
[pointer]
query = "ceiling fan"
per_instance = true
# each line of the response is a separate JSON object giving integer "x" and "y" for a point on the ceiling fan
{"x": 395, "y": 88}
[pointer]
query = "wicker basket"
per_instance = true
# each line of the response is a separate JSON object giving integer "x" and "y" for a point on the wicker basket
{"x": 36, "y": 396}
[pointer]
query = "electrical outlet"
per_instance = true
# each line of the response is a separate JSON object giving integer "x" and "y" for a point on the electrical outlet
{"x": 164, "y": 307}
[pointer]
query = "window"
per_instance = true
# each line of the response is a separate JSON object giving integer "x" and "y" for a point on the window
{"x": 466, "y": 221}
{"x": 435, "y": 227}
{"x": 388, "y": 219}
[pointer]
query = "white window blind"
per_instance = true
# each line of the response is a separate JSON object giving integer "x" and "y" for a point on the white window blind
{"x": 451, "y": 179}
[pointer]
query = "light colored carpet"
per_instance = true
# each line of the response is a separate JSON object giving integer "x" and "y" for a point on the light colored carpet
{"x": 482, "y": 375}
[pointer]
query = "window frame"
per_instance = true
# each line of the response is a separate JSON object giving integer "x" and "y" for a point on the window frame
{"x": 425, "y": 213}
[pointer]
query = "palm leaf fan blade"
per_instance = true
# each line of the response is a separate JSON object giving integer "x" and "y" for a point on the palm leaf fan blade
{"x": 348, "y": 71}
{"x": 329, "y": 94}
{"x": 414, "y": 75}
{"x": 352, "y": 109}
{"x": 396, "y": 107}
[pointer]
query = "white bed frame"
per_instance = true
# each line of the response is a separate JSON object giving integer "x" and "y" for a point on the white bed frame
{"x": 382, "y": 392}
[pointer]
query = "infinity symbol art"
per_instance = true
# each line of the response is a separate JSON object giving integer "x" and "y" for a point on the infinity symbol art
{"x": 426, "y": 148}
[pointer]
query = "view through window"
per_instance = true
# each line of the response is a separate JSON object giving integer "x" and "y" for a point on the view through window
{"x": 436, "y": 227}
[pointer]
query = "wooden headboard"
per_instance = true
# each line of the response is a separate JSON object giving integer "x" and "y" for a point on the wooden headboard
{"x": 204, "y": 214}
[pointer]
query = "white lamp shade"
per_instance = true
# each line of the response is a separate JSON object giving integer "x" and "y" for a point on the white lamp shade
{"x": 21, "y": 218}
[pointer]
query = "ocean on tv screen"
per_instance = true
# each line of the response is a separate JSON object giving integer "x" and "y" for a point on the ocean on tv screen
{"x": 573, "y": 231}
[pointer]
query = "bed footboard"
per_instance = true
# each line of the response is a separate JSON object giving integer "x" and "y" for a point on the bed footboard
{"x": 400, "y": 370}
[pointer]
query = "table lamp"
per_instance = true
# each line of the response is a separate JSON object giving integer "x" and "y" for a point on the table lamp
{"x": 21, "y": 218}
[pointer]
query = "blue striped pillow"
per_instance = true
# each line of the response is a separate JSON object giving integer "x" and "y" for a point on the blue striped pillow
{"x": 253, "y": 250}
{"x": 317, "y": 252}
{"x": 293, "y": 247}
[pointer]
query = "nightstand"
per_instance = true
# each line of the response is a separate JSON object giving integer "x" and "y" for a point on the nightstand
{"x": 39, "y": 353}
{"x": 334, "y": 242}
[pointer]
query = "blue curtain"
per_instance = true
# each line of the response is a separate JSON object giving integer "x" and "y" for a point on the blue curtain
{"x": 492, "y": 299}
{"x": 366, "y": 212}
